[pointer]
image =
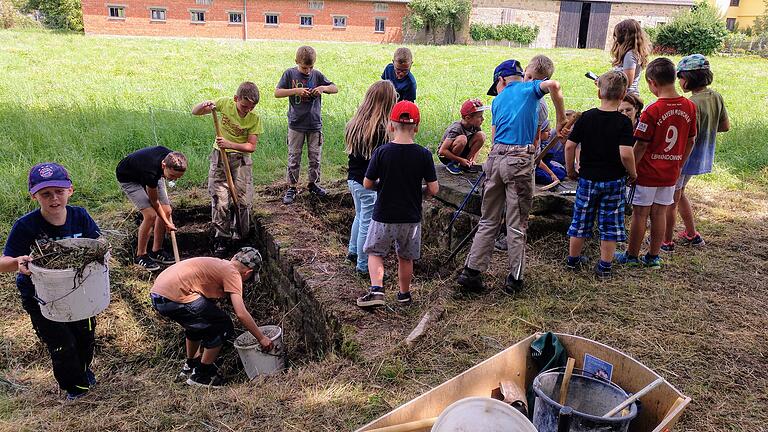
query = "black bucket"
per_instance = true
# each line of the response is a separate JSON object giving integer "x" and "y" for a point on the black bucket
{"x": 590, "y": 398}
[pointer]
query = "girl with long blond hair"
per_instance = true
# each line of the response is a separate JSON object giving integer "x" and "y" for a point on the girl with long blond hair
{"x": 630, "y": 51}
{"x": 366, "y": 131}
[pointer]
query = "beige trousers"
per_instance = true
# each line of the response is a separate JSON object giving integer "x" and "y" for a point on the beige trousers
{"x": 222, "y": 206}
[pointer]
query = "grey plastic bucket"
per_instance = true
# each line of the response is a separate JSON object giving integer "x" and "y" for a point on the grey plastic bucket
{"x": 590, "y": 398}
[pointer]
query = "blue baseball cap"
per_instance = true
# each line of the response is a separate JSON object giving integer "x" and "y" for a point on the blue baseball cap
{"x": 693, "y": 62}
{"x": 505, "y": 69}
{"x": 48, "y": 174}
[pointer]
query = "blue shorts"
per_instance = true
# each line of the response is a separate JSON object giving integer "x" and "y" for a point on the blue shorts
{"x": 602, "y": 199}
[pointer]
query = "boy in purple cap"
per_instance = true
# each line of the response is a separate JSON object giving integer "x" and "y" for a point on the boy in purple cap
{"x": 509, "y": 171}
{"x": 396, "y": 171}
{"x": 70, "y": 344}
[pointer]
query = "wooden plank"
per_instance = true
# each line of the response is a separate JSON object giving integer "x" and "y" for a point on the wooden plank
{"x": 568, "y": 24}
{"x": 598, "y": 25}
{"x": 661, "y": 407}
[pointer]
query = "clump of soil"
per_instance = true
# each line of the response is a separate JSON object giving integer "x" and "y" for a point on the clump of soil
{"x": 55, "y": 256}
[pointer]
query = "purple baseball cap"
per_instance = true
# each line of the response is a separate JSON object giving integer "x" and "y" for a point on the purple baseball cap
{"x": 48, "y": 174}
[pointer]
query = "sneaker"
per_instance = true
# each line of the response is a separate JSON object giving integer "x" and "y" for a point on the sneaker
{"x": 668, "y": 247}
{"x": 501, "y": 243}
{"x": 453, "y": 168}
{"x": 145, "y": 261}
{"x": 290, "y": 196}
{"x": 577, "y": 264}
{"x": 317, "y": 190}
{"x": 220, "y": 247}
{"x": 512, "y": 286}
{"x": 186, "y": 370}
{"x": 469, "y": 281}
{"x": 161, "y": 257}
{"x": 652, "y": 263}
{"x": 91, "y": 377}
{"x": 404, "y": 298}
{"x": 696, "y": 240}
{"x": 624, "y": 259}
{"x": 352, "y": 257}
{"x": 472, "y": 169}
{"x": 77, "y": 394}
{"x": 603, "y": 273}
{"x": 211, "y": 381}
{"x": 375, "y": 297}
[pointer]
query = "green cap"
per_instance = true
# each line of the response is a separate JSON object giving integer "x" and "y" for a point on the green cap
{"x": 251, "y": 258}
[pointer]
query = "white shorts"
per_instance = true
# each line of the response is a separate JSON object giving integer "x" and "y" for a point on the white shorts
{"x": 682, "y": 181}
{"x": 648, "y": 195}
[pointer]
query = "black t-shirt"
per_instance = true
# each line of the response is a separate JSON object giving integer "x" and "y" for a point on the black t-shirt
{"x": 143, "y": 166}
{"x": 358, "y": 164}
{"x": 400, "y": 169}
{"x": 600, "y": 134}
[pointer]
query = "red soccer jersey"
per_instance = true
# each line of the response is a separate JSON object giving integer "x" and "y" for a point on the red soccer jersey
{"x": 666, "y": 125}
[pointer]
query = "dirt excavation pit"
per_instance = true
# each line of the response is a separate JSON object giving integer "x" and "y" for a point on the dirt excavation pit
{"x": 309, "y": 288}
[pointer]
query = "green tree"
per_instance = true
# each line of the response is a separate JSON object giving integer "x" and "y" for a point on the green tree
{"x": 761, "y": 22}
{"x": 432, "y": 15}
{"x": 700, "y": 30}
{"x": 59, "y": 14}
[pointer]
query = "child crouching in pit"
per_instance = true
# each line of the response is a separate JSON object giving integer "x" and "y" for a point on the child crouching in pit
{"x": 607, "y": 164}
{"x": 396, "y": 170}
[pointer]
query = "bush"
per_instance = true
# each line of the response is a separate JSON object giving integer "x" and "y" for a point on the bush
{"x": 59, "y": 14}
{"x": 524, "y": 35}
{"x": 700, "y": 30}
{"x": 652, "y": 33}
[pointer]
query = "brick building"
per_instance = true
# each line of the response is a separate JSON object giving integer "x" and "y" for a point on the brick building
{"x": 575, "y": 24}
{"x": 338, "y": 20}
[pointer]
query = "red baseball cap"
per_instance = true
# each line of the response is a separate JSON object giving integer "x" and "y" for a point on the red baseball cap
{"x": 405, "y": 112}
{"x": 471, "y": 106}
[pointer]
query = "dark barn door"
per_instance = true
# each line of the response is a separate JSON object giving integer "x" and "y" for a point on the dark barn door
{"x": 568, "y": 24}
{"x": 598, "y": 25}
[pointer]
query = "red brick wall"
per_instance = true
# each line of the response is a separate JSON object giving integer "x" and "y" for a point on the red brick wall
{"x": 360, "y": 20}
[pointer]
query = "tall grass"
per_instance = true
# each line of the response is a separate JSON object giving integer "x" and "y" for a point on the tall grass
{"x": 88, "y": 101}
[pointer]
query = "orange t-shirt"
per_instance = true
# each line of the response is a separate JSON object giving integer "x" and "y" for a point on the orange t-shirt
{"x": 209, "y": 277}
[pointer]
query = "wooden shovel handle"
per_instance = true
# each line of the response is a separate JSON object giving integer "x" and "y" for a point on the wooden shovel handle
{"x": 225, "y": 160}
{"x": 408, "y": 427}
{"x": 566, "y": 380}
{"x": 176, "y": 255}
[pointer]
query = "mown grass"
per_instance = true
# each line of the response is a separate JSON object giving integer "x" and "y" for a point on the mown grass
{"x": 88, "y": 101}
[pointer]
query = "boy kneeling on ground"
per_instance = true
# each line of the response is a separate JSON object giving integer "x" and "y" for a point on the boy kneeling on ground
{"x": 185, "y": 291}
{"x": 463, "y": 139}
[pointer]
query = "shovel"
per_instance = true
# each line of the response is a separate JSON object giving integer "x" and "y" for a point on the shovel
{"x": 227, "y": 171}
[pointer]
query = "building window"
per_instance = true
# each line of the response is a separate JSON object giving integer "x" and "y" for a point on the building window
{"x": 378, "y": 25}
{"x": 157, "y": 14}
{"x": 117, "y": 12}
{"x": 730, "y": 24}
{"x": 380, "y": 7}
{"x": 197, "y": 16}
{"x": 235, "y": 17}
{"x": 204, "y": 2}
{"x": 305, "y": 21}
{"x": 271, "y": 19}
{"x": 734, "y": 2}
{"x": 315, "y": 5}
{"x": 339, "y": 21}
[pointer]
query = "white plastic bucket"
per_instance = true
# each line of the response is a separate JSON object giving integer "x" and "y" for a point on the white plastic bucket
{"x": 67, "y": 296}
{"x": 256, "y": 362}
{"x": 481, "y": 414}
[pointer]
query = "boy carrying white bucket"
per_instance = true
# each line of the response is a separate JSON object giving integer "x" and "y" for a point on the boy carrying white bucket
{"x": 185, "y": 293}
{"x": 70, "y": 344}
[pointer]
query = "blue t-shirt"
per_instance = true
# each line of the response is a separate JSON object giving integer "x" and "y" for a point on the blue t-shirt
{"x": 515, "y": 113}
{"x": 400, "y": 168}
{"x": 406, "y": 87}
{"x": 32, "y": 226}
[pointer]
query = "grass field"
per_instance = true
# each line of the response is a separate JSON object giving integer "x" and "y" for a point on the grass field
{"x": 88, "y": 101}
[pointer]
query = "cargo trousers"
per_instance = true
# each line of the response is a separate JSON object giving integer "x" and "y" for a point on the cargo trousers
{"x": 295, "y": 141}
{"x": 223, "y": 209}
{"x": 508, "y": 186}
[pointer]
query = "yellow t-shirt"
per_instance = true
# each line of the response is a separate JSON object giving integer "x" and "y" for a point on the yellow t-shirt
{"x": 209, "y": 277}
{"x": 233, "y": 127}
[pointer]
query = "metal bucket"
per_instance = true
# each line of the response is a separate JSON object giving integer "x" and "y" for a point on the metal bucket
{"x": 590, "y": 398}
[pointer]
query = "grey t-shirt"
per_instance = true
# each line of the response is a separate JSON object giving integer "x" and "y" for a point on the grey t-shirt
{"x": 543, "y": 114}
{"x": 629, "y": 62}
{"x": 303, "y": 112}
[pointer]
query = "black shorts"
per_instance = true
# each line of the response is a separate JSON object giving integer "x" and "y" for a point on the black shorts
{"x": 202, "y": 319}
